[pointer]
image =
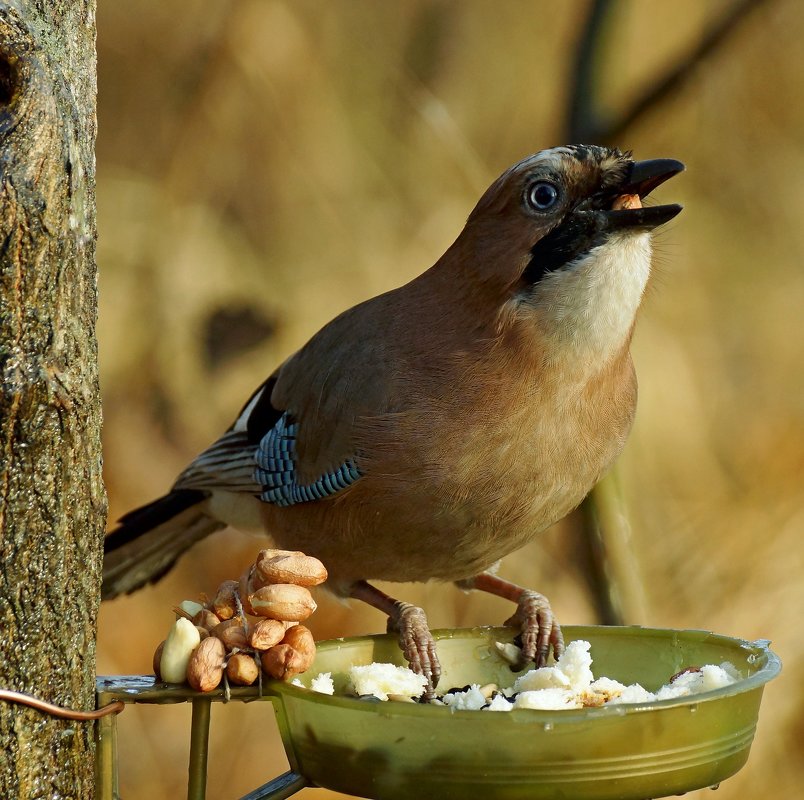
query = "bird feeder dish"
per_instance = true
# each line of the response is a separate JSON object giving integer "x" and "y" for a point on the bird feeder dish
{"x": 395, "y": 751}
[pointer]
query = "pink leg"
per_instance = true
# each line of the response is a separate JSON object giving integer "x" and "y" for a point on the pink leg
{"x": 415, "y": 639}
{"x": 533, "y": 616}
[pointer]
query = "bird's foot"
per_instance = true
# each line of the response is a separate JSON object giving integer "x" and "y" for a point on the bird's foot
{"x": 417, "y": 643}
{"x": 410, "y": 622}
{"x": 539, "y": 628}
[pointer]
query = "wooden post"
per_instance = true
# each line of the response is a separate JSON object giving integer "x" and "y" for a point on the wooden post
{"x": 52, "y": 501}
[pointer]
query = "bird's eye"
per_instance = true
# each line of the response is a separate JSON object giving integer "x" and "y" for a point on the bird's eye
{"x": 542, "y": 196}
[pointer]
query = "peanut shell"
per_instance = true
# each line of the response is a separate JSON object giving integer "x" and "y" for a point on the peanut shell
{"x": 157, "y": 659}
{"x": 245, "y": 587}
{"x": 206, "y": 619}
{"x": 224, "y": 605}
{"x": 190, "y": 608}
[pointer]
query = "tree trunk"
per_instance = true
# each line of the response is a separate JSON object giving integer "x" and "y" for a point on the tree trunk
{"x": 52, "y": 502}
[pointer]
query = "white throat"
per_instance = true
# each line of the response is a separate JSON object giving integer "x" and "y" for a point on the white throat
{"x": 586, "y": 311}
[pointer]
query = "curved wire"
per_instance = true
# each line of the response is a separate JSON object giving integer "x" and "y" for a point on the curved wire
{"x": 60, "y": 711}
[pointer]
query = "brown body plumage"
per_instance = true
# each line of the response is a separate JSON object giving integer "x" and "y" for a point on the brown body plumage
{"x": 491, "y": 463}
{"x": 480, "y": 402}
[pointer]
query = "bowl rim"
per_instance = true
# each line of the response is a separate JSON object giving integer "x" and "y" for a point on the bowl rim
{"x": 760, "y": 648}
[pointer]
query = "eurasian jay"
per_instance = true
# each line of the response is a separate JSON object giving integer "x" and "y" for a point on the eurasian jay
{"x": 431, "y": 431}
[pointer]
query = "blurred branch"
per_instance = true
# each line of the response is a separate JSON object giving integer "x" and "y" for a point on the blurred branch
{"x": 613, "y": 576}
{"x": 584, "y": 121}
{"x": 619, "y": 593}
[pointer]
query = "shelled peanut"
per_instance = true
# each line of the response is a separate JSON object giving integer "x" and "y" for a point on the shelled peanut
{"x": 249, "y": 624}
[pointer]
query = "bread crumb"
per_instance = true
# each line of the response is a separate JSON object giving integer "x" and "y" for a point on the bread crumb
{"x": 384, "y": 679}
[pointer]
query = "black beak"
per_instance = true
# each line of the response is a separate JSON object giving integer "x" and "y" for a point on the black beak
{"x": 645, "y": 176}
{"x": 642, "y": 179}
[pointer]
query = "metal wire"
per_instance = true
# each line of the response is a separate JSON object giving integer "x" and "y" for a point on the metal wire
{"x": 62, "y": 712}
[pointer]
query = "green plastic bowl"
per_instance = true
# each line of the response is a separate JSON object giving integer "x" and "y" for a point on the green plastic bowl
{"x": 392, "y": 750}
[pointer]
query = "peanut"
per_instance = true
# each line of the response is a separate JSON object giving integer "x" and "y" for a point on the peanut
{"x": 272, "y": 552}
{"x": 282, "y": 662}
{"x": 157, "y": 660}
{"x": 626, "y": 201}
{"x": 232, "y": 632}
{"x": 205, "y": 667}
{"x": 242, "y": 669}
{"x": 287, "y": 567}
{"x": 206, "y": 619}
{"x": 509, "y": 652}
{"x": 266, "y": 633}
{"x": 283, "y": 601}
{"x": 180, "y": 643}
{"x": 301, "y": 638}
{"x": 293, "y": 656}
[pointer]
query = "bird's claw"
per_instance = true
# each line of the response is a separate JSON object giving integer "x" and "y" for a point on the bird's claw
{"x": 417, "y": 643}
{"x": 539, "y": 628}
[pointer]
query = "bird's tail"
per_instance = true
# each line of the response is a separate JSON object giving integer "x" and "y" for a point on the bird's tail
{"x": 149, "y": 540}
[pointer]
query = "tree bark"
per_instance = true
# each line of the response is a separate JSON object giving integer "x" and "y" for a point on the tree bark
{"x": 52, "y": 501}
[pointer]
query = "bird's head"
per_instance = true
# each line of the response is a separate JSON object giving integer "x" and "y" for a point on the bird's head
{"x": 564, "y": 238}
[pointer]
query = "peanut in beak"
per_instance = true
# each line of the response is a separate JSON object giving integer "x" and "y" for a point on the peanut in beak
{"x": 626, "y": 201}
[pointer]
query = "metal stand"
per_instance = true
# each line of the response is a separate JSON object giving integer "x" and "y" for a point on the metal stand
{"x": 145, "y": 689}
{"x": 279, "y": 788}
{"x": 106, "y": 783}
{"x": 199, "y": 749}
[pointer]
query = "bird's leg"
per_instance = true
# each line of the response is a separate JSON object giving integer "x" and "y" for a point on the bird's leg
{"x": 533, "y": 616}
{"x": 410, "y": 622}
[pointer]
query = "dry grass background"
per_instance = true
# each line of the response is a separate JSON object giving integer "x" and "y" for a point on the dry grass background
{"x": 264, "y": 164}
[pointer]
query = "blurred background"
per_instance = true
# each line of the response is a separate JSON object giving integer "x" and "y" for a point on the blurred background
{"x": 264, "y": 164}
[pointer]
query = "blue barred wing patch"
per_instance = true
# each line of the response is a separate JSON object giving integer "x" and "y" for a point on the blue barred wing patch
{"x": 276, "y": 469}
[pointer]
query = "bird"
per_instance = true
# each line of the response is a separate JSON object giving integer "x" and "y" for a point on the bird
{"x": 428, "y": 432}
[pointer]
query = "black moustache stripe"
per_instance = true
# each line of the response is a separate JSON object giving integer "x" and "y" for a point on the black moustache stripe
{"x": 574, "y": 237}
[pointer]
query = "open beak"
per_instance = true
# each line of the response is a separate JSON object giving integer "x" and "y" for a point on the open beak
{"x": 643, "y": 177}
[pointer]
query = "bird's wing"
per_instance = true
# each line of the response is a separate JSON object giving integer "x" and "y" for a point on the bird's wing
{"x": 226, "y": 464}
{"x": 293, "y": 442}
{"x": 229, "y": 463}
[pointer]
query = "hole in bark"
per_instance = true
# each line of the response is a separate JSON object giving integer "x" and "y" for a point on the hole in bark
{"x": 9, "y": 78}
